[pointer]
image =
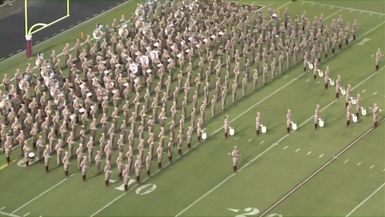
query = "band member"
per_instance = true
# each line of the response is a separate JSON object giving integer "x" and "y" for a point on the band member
{"x": 107, "y": 173}
{"x": 59, "y": 151}
{"x": 66, "y": 163}
{"x": 159, "y": 152}
{"x": 98, "y": 160}
{"x": 26, "y": 151}
{"x": 126, "y": 176}
{"x": 79, "y": 153}
{"x": 316, "y": 116}
{"x": 288, "y": 120}
{"x": 376, "y": 110}
{"x": 338, "y": 85}
{"x": 148, "y": 163}
{"x": 348, "y": 94}
{"x": 84, "y": 167}
{"x": 8, "y": 149}
{"x": 358, "y": 105}
{"x": 169, "y": 150}
{"x": 348, "y": 113}
{"x": 226, "y": 126}
{"x": 326, "y": 77}
{"x": 235, "y": 156}
{"x": 258, "y": 122}
{"x": 137, "y": 166}
{"x": 120, "y": 164}
{"x": 47, "y": 156}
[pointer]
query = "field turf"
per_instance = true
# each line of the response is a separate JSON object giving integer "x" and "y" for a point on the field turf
{"x": 333, "y": 171}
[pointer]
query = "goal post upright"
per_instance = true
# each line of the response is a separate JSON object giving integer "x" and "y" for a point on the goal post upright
{"x": 29, "y": 31}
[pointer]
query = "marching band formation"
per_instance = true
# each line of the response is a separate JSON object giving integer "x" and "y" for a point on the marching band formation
{"x": 139, "y": 88}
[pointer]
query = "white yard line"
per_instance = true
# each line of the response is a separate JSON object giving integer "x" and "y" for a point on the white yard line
{"x": 108, "y": 204}
{"x": 207, "y": 193}
{"x": 284, "y": 5}
{"x": 9, "y": 214}
{"x": 309, "y": 153}
{"x": 26, "y": 214}
{"x": 366, "y": 199}
{"x": 321, "y": 156}
{"x": 284, "y": 148}
{"x": 298, "y": 149}
{"x": 342, "y": 7}
{"x": 346, "y": 161}
{"x": 268, "y": 149}
{"x": 334, "y": 13}
{"x": 40, "y": 195}
{"x": 331, "y": 160}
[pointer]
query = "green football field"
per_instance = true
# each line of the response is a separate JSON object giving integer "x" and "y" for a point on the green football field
{"x": 332, "y": 171}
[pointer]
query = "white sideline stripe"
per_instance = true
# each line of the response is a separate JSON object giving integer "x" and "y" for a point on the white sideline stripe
{"x": 269, "y": 148}
{"x": 366, "y": 199}
{"x": 2, "y": 208}
{"x": 315, "y": 173}
{"x": 347, "y": 8}
{"x": 40, "y": 195}
{"x": 80, "y": 23}
{"x": 9, "y": 214}
{"x": 26, "y": 214}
